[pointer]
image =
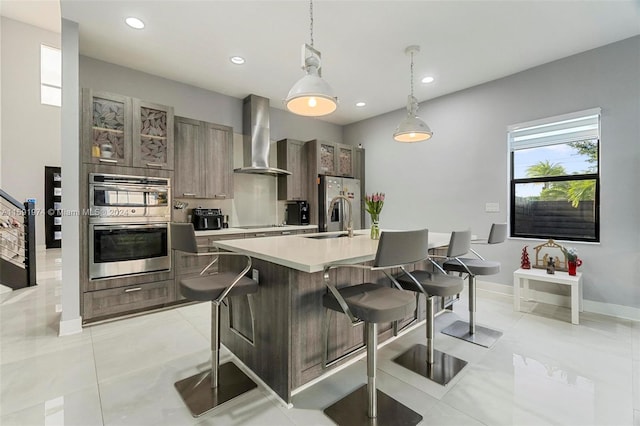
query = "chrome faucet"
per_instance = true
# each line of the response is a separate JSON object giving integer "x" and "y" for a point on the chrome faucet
{"x": 350, "y": 222}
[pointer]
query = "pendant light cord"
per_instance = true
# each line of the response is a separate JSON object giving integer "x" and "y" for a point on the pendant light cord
{"x": 311, "y": 20}
{"x": 412, "y": 74}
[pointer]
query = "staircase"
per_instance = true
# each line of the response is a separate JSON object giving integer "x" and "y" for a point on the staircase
{"x": 17, "y": 243}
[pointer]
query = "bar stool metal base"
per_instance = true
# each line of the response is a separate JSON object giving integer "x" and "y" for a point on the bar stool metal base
{"x": 444, "y": 368}
{"x": 198, "y": 395}
{"x": 352, "y": 411}
{"x": 483, "y": 336}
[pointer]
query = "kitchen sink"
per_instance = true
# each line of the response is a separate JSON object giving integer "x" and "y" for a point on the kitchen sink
{"x": 325, "y": 236}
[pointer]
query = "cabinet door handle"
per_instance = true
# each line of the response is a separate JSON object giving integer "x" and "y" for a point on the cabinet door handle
{"x": 261, "y": 235}
{"x": 220, "y": 196}
{"x": 130, "y": 290}
{"x": 154, "y": 165}
{"x": 286, "y": 232}
{"x": 188, "y": 194}
{"x": 108, "y": 160}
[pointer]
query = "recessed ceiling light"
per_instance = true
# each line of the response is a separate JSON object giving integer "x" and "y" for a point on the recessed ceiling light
{"x": 360, "y": 104}
{"x": 134, "y": 23}
{"x": 238, "y": 60}
{"x": 428, "y": 80}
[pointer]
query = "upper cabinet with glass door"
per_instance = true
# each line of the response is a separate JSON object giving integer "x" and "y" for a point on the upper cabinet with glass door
{"x": 334, "y": 159}
{"x": 106, "y": 128}
{"x": 123, "y": 131}
{"x": 152, "y": 135}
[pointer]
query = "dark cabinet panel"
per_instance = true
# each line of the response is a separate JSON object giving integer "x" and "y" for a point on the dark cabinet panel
{"x": 292, "y": 156}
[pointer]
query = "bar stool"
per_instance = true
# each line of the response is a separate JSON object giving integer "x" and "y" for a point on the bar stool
{"x": 426, "y": 360}
{"x": 205, "y": 391}
{"x": 374, "y": 303}
{"x": 460, "y": 245}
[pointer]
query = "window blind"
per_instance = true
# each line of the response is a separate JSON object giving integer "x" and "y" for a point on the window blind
{"x": 574, "y": 127}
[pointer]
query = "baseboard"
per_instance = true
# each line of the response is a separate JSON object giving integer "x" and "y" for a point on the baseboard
{"x": 609, "y": 309}
{"x": 69, "y": 327}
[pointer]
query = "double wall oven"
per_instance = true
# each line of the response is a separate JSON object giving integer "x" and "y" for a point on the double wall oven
{"x": 128, "y": 225}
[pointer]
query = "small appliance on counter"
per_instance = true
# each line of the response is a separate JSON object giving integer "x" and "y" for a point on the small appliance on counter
{"x": 206, "y": 219}
{"x": 297, "y": 213}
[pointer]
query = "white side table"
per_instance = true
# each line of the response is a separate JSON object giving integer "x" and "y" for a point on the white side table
{"x": 522, "y": 276}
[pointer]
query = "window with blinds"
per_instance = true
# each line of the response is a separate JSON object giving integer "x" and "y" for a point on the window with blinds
{"x": 555, "y": 177}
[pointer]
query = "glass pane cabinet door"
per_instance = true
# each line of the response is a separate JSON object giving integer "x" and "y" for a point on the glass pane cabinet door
{"x": 327, "y": 159}
{"x": 153, "y": 135}
{"x": 108, "y": 130}
{"x": 346, "y": 161}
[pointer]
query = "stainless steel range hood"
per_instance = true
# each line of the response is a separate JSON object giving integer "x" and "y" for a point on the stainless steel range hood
{"x": 257, "y": 142}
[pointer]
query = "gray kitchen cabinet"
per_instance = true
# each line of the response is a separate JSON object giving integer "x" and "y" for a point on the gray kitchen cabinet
{"x": 203, "y": 159}
{"x": 106, "y": 128}
{"x": 123, "y": 131}
{"x": 189, "y": 151}
{"x": 292, "y": 156}
{"x": 271, "y": 233}
{"x": 333, "y": 159}
{"x": 218, "y": 161}
{"x": 152, "y": 135}
{"x": 103, "y": 304}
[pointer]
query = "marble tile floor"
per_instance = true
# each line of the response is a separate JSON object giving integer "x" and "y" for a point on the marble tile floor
{"x": 543, "y": 370}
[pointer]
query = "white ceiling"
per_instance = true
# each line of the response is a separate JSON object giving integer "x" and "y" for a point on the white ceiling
{"x": 463, "y": 43}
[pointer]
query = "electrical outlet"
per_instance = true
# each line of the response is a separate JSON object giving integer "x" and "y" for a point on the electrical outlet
{"x": 492, "y": 207}
{"x": 255, "y": 275}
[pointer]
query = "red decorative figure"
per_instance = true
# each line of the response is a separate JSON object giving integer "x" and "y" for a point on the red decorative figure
{"x": 524, "y": 260}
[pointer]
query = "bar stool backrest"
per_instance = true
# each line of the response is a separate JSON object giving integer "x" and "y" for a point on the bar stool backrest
{"x": 183, "y": 237}
{"x": 498, "y": 233}
{"x": 402, "y": 248}
{"x": 459, "y": 244}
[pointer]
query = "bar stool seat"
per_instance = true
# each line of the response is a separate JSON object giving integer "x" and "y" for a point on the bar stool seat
{"x": 476, "y": 266}
{"x": 374, "y": 303}
{"x": 436, "y": 366}
{"x": 205, "y": 391}
{"x": 460, "y": 245}
{"x": 210, "y": 287}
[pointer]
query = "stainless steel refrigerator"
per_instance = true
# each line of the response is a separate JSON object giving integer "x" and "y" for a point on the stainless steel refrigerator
{"x": 331, "y": 186}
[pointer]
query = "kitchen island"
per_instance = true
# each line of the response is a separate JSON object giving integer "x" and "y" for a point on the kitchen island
{"x": 284, "y": 346}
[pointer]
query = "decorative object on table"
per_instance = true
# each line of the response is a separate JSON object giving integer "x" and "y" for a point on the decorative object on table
{"x": 524, "y": 259}
{"x": 551, "y": 266}
{"x": 374, "y": 203}
{"x": 550, "y": 251}
{"x": 572, "y": 259}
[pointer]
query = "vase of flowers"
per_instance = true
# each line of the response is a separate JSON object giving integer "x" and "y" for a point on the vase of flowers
{"x": 374, "y": 203}
{"x": 572, "y": 260}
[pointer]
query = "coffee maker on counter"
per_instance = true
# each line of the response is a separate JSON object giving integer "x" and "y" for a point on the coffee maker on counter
{"x": 297, "y": 213}
{"x": 207, "y": 219}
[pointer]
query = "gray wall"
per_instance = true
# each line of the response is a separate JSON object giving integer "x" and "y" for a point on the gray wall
{"x": 30, "y": 130}
{"x": 444, "y": 183}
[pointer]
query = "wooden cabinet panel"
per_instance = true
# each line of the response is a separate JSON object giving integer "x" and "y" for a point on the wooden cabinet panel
{"x": 204, "y": 159}
{"x": 189, "y": 151}
{"x": 292, "y": 156}
{"x": 152, "y": 135}
{"x": 218, "y": 156}
{"x": 111, "y": 302}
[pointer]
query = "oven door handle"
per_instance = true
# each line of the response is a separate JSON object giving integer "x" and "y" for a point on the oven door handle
{"x": 107, "y": 187}
{"x": 145, "y": 226}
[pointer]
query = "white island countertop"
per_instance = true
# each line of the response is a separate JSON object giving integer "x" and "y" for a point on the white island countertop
{"x": 311, "y": 255}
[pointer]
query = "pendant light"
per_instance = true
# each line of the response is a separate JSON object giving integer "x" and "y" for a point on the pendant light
{"x": 311, "y": 96}
{"x": 412, "y": 128}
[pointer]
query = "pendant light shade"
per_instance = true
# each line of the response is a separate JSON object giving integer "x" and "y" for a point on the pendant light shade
{"x": 412, "y": 128}
{"x": 311, "y": 96}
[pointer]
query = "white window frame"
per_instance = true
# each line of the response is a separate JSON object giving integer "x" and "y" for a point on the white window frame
{"x": 48, "y": 82}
